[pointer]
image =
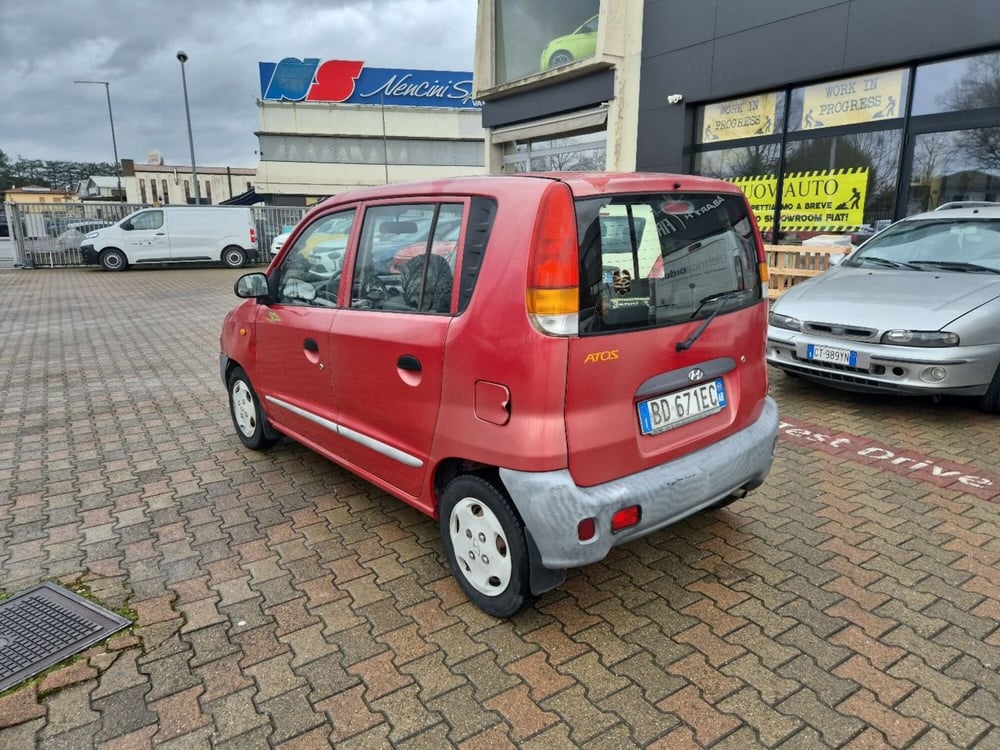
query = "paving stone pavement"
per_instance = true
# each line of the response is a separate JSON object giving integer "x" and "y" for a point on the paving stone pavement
{"x": 850, "y": 602}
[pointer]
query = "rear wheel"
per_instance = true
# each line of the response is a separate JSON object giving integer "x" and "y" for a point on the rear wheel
{"x": 990, "y": 401}
{"x": 234, "y": 257}
{"x": 484, "y": 540}
{"x": 248, "y": 417}
{"x": 113, "y": 259}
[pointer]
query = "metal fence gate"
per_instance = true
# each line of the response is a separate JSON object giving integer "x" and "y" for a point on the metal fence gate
{"x": 48, "y": 235}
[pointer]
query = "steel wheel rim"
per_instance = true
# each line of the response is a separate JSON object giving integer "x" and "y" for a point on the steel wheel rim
{"x": 480, "y": 546}
{"x": 244, "y": 409}
{"x": 112, "y": 260}
{"x": 234, "y": 258}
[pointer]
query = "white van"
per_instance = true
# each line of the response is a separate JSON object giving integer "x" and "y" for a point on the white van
{"x": 175, "y": 234}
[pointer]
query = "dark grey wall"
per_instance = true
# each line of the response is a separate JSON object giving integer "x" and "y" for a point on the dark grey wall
{"x": 713, "y": 49}
{"x": 565, "y": 96}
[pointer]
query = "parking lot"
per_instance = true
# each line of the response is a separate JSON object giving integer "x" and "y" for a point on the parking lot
{"x": 852, "y": 601}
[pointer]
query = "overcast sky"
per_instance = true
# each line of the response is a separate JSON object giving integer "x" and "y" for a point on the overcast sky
{"x": 47, "y": 44}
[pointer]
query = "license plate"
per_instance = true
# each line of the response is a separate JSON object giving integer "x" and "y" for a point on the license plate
{"x": 831, "y": 354}
{"x": 674, "y": 409}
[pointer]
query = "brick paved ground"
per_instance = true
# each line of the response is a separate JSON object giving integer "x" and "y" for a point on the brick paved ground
{"x": 850, "y": 602}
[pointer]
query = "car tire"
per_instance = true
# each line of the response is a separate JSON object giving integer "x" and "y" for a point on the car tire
{"x": 483, "y": 538}
{"x": 234, "y": 257}
{"x": 560, "y": 57}
{"x": 248, "y": 417}
{"x": 990, "y": 401}
{"x": 113, "y": 259}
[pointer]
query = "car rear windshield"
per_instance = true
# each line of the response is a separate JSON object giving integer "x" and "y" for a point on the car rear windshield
{"x": 655, "y": 260}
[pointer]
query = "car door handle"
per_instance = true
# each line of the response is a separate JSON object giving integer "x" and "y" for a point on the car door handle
{"x": 310, "y": 345}
{"x": 409, "y": 362}
{"x": 160, "y": 234}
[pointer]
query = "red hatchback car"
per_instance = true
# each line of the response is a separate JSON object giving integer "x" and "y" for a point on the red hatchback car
{"x": 587, "y": 367}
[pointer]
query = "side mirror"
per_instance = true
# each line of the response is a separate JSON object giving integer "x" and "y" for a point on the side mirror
{"x": 251, "y": 286}
{"x": 127, "y": 226}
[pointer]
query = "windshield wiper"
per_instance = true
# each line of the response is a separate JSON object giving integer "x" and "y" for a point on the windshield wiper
{"x": 720, "y": 297}
{"x": 955, "y": 265}
{"x": 886, "y": 262}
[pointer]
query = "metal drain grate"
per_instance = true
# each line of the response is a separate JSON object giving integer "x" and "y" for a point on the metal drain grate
{"x": 43, "y": 625}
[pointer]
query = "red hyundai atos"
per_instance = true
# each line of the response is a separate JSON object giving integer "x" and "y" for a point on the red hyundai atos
{"x": 573, "y": 361}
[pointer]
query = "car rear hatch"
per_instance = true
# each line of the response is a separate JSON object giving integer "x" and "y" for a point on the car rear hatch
{"x": 669, "y": 353}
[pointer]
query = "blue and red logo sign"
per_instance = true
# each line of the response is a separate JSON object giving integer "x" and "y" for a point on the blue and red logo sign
{"x": 349, "y": 82}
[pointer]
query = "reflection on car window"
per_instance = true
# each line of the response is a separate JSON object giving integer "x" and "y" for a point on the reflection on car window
{"x": 943, "y": 244}
{"x": 406, "y": 258}
{"x": 310, "y": 273}
{"x": 653, "y": 260}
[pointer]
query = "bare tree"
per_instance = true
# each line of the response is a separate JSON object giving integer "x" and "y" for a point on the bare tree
{"x": 978, "y": 88}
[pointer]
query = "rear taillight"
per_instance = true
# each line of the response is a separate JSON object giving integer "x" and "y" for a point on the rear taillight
{"x": 553, "y": 297}
{"x": 253, "y": 236}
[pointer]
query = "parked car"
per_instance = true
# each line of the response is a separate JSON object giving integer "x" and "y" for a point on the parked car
{"x": 578, "y": 44}
{"x": 279, "y": 239}
{"x": 539, "y": 399}
{"x": 915, "y": 310}
{"x": 72, "y": 237}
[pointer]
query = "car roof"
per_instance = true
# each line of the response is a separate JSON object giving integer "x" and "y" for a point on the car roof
{"x": 960, "y": 210}
{"x": 581, "y": 183}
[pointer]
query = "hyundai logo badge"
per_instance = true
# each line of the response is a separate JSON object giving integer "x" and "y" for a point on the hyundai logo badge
{"x": 695, "y": 375}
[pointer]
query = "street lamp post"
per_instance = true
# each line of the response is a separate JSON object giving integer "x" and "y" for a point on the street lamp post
{"x": 114, "y": 142}
{"x": 182, "y": 56}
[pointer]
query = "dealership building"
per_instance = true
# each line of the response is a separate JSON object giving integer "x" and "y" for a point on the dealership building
{"x": 327, "y": 126}
{"x": 832, "y": 115}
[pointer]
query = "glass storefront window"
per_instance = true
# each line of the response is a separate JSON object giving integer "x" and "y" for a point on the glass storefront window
{"x": 754, "y": 169}
{"x": 958, "y": 165}
{"x": 533, "y": 37}
{"x": 871, "y": 97}
{"x": 575, "y": 153}
{"x": 840, "y": 185}
{"x": 956, "y": 85}
{"x": 746, "y": 117}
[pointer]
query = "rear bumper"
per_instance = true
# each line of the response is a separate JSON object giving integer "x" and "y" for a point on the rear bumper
{"x": 552, "y": 506}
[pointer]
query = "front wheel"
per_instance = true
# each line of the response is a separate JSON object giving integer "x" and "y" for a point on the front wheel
{"x": 990, "y": 401}
{"x": 248, "y": 417}
{"x": 113, "y": 259}
{"x": 484, "y": 540}
{"x": 234, "y": 257}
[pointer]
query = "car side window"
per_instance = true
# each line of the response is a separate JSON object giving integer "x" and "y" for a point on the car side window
{"x": 309, "y": 273}
{"x": 148, "y": 220}
{"x": 407, "y": 256}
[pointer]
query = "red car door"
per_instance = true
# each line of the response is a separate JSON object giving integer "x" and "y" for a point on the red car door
{"x": 294, "y": 379}
{"x": 388, "y": 348}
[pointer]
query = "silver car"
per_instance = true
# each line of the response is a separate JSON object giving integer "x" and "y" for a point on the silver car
{"x": 915, "y": 310}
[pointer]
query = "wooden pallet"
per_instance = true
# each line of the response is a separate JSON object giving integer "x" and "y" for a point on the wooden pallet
{"x": 787, "y": 265}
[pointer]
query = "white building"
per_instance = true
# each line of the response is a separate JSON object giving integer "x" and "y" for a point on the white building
{"x": 158, "y": 183}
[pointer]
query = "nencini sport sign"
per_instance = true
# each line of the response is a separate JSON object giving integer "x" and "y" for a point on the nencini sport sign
{"x": 350, "y": 82}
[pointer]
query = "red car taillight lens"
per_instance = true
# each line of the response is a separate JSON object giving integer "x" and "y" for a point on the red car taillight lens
{"x": 553, "y": 297}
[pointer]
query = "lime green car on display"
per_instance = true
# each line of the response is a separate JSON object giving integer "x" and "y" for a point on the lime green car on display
{"x": 565, "y": 49}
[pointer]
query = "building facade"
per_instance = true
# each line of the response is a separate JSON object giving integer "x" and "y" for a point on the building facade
{"x": 834, "y": 116}
{"x": 327, "y": 126}
{"x": 158, "y": 183}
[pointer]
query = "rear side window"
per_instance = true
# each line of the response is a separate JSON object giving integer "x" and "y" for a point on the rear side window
{"x": 661, "y": 259}
{"x": 407, "y": 257}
